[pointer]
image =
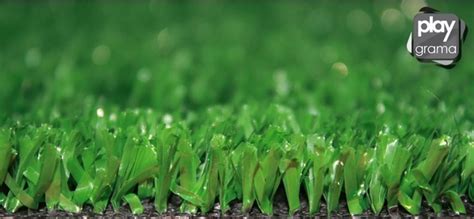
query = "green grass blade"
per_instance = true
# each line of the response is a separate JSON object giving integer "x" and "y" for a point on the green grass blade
{"x": 248, "y": 162}
{"x": 336, "y": 179}
{"x": 5, "y": 153}
{"x": 134, "y": 202}
{"x": 166, "y": 150}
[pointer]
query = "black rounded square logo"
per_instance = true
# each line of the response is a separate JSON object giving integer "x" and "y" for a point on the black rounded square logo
{"x": 437, "y": 37}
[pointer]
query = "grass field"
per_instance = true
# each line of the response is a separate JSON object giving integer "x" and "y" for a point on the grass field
{"x": 218, "y": 102}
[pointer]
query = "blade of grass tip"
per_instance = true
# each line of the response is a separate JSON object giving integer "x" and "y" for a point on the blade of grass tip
{"x": 456, "y": 203}
{"x": 134, "y": 202}
{"x": 5, "y": 153}
{"x": 319, "y": 159}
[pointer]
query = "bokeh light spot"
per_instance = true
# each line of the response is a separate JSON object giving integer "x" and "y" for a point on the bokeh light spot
{"x": 33, "y": 57}
{"x": 340, "y": 68}
{"x": 101, "y": 55}
{"x": 392, "y": 20}
{"x": 359, "y": 22}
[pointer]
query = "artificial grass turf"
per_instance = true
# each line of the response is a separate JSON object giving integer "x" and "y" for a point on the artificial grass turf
{"x": 113, "y": 104}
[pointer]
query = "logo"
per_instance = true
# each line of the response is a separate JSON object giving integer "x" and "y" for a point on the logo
{"x": 437, "y": 37}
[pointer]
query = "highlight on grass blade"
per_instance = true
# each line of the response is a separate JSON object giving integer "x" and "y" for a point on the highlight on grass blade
{"x": 335, "y": 180}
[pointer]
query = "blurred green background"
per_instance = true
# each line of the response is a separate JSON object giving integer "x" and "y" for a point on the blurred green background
{"x": 336, "y": 58}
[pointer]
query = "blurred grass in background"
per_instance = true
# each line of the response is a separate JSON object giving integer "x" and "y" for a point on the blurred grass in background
{"x": 335, "y": 58}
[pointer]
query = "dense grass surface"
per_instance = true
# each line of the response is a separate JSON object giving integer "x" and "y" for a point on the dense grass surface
{"x": 111, "y": 104}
